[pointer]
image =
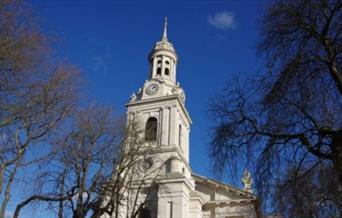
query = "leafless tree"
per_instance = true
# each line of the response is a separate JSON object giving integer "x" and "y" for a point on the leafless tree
{"x": 81, "y": 155}
{"x": 312, "y": 196}
{"x": 134, "y": 182}
{"x": 101, "y": 168}
{"x": 34, "y": 98}
{"x": 82, "y": 164}
{"x": 289, "y": 119}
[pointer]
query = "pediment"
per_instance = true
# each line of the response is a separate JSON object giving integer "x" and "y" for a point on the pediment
{"x": 227, "y": 190}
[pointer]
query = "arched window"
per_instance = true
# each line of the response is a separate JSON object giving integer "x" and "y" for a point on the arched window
{"x": 151, "y": 129}
{"x": 158, "y": 71}
{"x": 167, "y": 71}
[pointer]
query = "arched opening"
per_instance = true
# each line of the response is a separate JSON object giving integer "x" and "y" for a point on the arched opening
{"x": 151, "y": 129}
{"x": 159, "y": 71}
{"x": 172, "y": 165}
{"x": 168, "y": 168}
{"x": 167, "y": 71}
{"x": 144, "y": 212}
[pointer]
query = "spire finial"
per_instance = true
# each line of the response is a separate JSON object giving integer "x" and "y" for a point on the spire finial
{"x": 165, "y": 30}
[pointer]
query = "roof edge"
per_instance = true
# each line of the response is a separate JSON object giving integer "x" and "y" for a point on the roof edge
{"x": 200, "y": 178}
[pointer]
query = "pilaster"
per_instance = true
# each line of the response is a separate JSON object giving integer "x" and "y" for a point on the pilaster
{"x": 173, "y": 117}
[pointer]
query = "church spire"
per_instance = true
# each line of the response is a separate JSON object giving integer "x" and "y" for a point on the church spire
{"x": 163, "y": 59}
{"x": 165, "y": 30}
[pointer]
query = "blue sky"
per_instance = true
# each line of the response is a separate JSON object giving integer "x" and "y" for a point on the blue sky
{"x": 110, "y": 40}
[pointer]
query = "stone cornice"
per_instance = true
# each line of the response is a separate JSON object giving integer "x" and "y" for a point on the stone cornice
{"x": 227, "y": 203}
{"x": 162, "y": 99}
{"x": 164, "y": 149}
{"x": 174, "y": 178}
{"x": 194, "y": 195}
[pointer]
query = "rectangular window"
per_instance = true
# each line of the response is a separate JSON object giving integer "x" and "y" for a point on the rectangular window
{"x": 180, "y": 136}
{"x": 170, "y": 209}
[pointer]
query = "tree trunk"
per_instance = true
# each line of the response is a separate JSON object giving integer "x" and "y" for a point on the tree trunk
{"x": 61, "y": 191}
{"x": 60, "y": 209}
{"x": 40, "y": 198}
{"x": 8, "y": 189}
{"x": 337, "y": 154}
{"x": 2, "y": 169}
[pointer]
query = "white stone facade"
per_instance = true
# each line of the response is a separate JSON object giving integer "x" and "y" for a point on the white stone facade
{"x": 178, "y": 192}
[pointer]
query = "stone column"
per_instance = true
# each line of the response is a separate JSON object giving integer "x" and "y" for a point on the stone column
{"x": 162, "y": 66}
{"x": 154, "y": 67}
{"x": 172, "y": 70}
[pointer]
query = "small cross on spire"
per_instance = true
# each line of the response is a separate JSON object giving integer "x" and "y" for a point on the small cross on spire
{"x": 165, "y": 30}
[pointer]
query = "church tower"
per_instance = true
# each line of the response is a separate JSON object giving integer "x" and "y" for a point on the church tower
{"x": 174, "y": 191}
{"x": 160, "y": 103}
{"x": 159, "y": 106}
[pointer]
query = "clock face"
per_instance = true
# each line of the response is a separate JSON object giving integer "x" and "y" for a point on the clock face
{"x": 152, "y": 89}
